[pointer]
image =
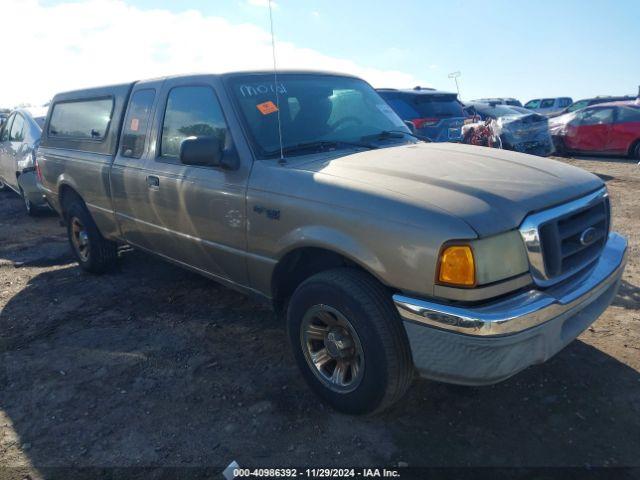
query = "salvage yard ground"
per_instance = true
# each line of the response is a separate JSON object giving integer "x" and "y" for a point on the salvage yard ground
{"x": 152, "y": 365}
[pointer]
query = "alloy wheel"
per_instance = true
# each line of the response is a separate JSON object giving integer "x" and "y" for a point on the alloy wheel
{"x": 80, "y": 239}
{"x": 332, "y": 348}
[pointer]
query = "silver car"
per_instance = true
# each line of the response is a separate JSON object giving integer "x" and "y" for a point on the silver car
{"x": 19, "y": 140}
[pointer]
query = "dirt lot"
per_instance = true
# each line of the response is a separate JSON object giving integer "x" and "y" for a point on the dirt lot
{"x": 154, "y": 366}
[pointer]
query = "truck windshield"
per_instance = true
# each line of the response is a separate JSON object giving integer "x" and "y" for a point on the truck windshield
{"x": 316, "y": 112}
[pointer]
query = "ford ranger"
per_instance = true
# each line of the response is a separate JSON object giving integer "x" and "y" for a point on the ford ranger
{"x": 387, "y": 255}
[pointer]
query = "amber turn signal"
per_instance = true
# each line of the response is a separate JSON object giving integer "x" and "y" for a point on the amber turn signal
{"x": 457, "y": 266}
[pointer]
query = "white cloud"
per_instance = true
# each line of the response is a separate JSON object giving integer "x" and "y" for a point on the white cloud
{"x": 315, "y": 13}
{"x": 98, "y": 42}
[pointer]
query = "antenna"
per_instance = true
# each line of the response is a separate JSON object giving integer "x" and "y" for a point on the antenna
{"x": 455, "y": 76}
{"x": 275, "y": 83}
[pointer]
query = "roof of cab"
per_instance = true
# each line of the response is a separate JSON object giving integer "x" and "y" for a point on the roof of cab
{"x": 97, "y": 91}
{"x": 93, "y": 92}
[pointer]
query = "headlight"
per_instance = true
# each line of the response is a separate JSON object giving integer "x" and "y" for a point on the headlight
{"x": 457, "y": 266}
{"x": 483, "y": 261}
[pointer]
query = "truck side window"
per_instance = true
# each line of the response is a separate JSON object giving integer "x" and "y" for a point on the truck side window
{"x": 82, "y": 120}
{"x": 191, "y": 112}
{"x": 136, "y": 124}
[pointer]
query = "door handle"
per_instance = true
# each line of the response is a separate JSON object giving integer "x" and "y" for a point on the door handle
{"x": 153, "y": 182}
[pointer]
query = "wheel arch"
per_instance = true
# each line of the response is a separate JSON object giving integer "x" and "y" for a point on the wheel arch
{"x": 306, "y": 260}
{"x": 632, "y": 148}
{"x": 66, "y": 192}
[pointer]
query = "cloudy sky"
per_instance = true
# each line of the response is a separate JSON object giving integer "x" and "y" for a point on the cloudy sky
{"x": 542, "y": 48}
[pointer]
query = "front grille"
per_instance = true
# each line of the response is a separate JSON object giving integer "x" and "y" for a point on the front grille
{"x": 563, "y": 240}
{"x": 562, "y": 248}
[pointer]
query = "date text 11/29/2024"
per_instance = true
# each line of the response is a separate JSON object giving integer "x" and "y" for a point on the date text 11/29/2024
{"x": 315, "y": 473}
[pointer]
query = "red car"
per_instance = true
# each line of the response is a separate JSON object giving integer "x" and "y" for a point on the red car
{"x": 606, "y": 128}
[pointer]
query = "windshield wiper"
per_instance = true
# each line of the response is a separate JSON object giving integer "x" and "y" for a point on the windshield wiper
{"x": 395, "y": 134}
{"x": 320, "y": 146}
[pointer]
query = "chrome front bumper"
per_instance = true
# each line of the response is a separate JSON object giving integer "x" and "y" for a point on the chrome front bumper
{"x": 488, "y": 343}
{"x": 524, "y": 310}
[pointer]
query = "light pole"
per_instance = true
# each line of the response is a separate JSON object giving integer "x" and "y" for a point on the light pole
{"x": 455, "y": 76}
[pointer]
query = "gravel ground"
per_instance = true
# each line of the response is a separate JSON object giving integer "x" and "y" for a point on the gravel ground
{"x": 155, "y": 366}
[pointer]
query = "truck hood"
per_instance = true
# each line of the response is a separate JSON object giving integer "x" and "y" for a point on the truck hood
{"x": 491, "y": 190}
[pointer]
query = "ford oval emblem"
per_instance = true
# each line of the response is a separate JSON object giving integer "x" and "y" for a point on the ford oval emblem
{"x": 588, "y": 236}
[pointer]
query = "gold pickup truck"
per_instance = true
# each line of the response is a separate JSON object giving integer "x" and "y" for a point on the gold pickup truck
{"x": 388, "y": 255}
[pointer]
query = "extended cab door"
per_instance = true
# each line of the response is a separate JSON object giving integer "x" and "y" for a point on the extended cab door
{"x": 195, "y": 215}
{"x": 129, "y": 173}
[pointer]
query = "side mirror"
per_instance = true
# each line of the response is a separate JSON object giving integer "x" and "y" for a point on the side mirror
{"x": 410, "y": 126}
{"x": 202, "y": 151}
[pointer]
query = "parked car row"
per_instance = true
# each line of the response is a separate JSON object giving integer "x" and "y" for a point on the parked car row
{"x": 601, "y": 125}
{"x": 440, "y": 116}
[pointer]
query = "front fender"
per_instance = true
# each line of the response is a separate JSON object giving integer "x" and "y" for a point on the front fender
{"x": 327, "y": 238}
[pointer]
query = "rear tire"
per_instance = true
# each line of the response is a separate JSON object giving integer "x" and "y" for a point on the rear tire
{"x": 349, "y": 342}
{"x": 93, "y": 252}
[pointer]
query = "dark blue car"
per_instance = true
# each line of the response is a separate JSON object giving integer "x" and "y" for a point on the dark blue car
{"x": 439, "y": 116}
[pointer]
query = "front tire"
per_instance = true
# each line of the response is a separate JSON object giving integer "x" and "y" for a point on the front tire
{"x": 349, "y": 342}
{"x": 93, "y": 252}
